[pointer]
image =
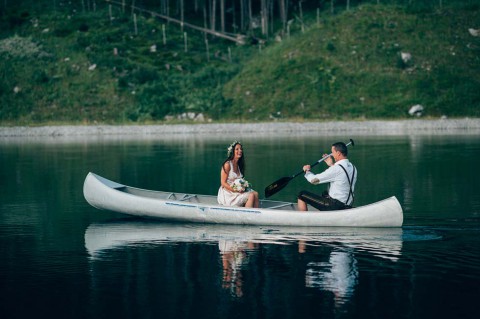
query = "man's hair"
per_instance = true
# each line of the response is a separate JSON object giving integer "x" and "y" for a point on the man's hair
{"x": 341, "y": 147}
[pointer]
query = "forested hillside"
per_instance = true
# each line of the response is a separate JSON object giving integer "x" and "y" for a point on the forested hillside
{"x": 122, "y": 61}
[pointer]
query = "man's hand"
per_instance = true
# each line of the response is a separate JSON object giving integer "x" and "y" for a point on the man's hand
{"x": 328, "y": 160}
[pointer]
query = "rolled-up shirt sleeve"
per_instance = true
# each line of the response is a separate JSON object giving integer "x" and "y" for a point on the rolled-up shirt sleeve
{"x": 325, "y": 177}
{"x": 312, "y": 178}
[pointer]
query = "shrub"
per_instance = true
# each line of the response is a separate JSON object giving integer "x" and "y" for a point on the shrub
{"x": 21, "y": 48}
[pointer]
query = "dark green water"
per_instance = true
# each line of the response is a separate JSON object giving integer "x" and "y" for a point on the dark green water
{"x": 62, "y": 258}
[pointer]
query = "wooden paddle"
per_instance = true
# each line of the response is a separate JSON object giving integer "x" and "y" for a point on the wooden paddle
{"x": 282, "y": 182}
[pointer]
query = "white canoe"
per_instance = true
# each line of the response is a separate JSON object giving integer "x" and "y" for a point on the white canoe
{"x": 108, "y": 195}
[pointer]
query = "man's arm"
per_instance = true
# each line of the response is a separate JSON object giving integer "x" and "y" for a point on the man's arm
{"x": 312, "y": 178}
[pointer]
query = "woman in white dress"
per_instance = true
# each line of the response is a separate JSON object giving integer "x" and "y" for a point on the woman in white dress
{"x": 232, "y": 169}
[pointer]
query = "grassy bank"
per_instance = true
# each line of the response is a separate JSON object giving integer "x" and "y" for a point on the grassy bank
{"x": 351, "y": 66}
{"x": 80, "y": 66}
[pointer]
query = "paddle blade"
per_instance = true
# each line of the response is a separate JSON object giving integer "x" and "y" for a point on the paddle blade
{"x": 276, "y": 186}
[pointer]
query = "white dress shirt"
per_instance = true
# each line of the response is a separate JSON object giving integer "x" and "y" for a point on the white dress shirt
{"x": 339, "y": 185}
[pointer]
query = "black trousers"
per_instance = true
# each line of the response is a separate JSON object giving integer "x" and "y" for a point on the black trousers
{"x": 323, "y": 202}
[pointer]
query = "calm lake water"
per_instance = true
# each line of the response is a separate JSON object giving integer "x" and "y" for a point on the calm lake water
{"x": 62, "y": 258}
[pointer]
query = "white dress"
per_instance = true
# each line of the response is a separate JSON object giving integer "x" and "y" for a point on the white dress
{"x": 228, "y": 198}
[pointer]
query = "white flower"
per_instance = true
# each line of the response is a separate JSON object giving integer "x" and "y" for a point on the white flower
{"x": 230, "y": 148}
{"x": 240, "y": 185}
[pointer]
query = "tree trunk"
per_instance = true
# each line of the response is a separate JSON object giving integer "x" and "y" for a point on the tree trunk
{"x": 250, "y": 16}
{"x": 222, "y": 15}
{"x": 287, "y": 4}
{"x": 163, "y": 7}
{"x": 264, "y": 17}
{"x": 182, "y": 12}
{"x": 242, "y": 15}
{"x": 283, "y": 15}
{"x": 205, "y": 25}
{"x": 213, "y": 14}
{"x": 271, "y": 15}
{"x": 301, "y": 15}
{"x": 234, "y": 18}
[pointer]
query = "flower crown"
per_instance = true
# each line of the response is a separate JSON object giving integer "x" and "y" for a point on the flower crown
{"x": 230, "y": 148}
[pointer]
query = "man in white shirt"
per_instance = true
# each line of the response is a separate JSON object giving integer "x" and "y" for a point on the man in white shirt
{"x": 342, "y": 177}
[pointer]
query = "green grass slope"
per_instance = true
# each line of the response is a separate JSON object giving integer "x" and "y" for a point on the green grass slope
{"x": 84, "y": 67}
{"x": 350, "y": 66}
{"x": 69, "y": 65}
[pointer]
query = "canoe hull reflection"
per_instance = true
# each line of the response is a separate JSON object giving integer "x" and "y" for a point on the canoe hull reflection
{"x": 103, "y": 236}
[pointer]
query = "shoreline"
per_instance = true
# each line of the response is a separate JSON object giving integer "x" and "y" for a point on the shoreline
{"x": 384, "y": 127}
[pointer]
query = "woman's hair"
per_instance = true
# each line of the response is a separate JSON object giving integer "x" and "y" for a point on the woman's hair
{"x": 231, "y": 154}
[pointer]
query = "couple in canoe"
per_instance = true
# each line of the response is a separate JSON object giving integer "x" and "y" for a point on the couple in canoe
{"x": 341, "y": 174}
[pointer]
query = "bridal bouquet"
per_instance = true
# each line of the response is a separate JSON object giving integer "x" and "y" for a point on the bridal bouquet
{"x": 240, "y": 185}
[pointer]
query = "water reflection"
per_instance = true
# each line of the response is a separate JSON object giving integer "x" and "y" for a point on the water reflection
{"x": 234, "y": 255}
{"x": 237, "y": 245}
{"x": 102, "y": 236}
{"x": 339, "y": 275}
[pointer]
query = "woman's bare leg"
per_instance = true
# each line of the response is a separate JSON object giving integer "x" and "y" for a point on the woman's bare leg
{"x": 252, "y": 199}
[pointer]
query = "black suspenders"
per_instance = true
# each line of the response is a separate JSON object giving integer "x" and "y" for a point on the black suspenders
{"x": 350, "y": 182}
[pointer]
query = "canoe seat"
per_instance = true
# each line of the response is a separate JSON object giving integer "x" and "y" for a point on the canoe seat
{"x": 184, "y": 198}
